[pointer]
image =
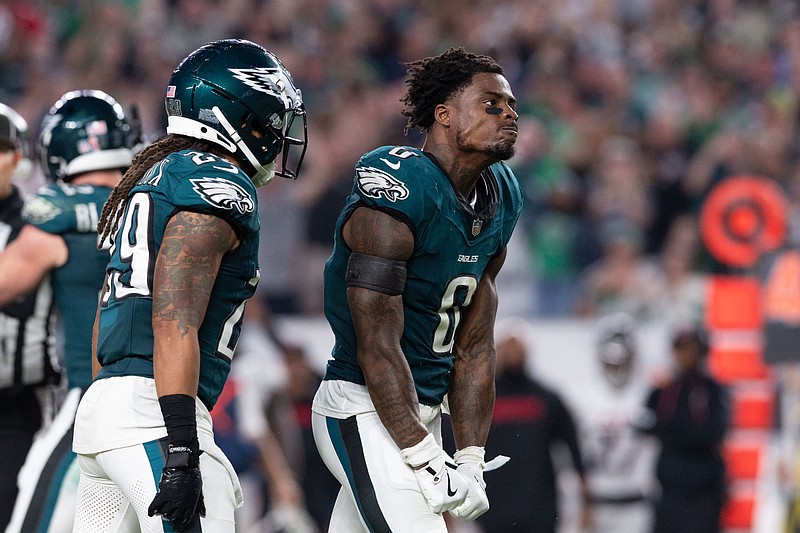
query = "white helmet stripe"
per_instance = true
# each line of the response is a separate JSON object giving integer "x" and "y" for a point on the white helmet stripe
{"x": 185, "y": 126}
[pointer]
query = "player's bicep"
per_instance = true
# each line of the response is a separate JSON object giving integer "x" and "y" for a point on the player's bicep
{"x": 373, "y": 232}
{"x": 377, "y": 309}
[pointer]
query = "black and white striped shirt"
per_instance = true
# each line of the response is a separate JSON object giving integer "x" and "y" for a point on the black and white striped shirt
{"x": 27, "y": 341}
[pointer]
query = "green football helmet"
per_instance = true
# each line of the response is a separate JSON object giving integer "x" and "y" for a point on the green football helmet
{"x": 84, "y": 131}
{"x": 239, "y": 96}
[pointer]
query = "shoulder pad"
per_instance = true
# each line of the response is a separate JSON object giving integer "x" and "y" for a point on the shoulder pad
{"x": 394, "y": 178}
{"x": 205, "y": 183}
{"x": 41, "y": 209}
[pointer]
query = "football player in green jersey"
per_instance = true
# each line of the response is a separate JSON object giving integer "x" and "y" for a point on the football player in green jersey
{"x": 410, "y": 295}
{"x": 184, "y": 260}
{"x": 85, "y": 143}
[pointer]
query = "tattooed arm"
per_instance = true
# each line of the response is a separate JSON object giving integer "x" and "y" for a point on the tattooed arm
{"x": 471, "y": 392}
{"x": 378, "y": 321}
{"x": 186, "y": 268}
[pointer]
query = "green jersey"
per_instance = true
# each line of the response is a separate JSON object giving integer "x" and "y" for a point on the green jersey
{"x": 183, "y": 181}
{"x": 454, "y": 240}
{"x": 71, "y": 212}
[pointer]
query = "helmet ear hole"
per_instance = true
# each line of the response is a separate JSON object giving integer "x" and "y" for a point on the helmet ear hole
{"x": 257, "y": 128}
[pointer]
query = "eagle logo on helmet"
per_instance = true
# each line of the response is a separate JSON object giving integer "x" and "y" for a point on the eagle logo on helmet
{"x": 224, "y": 194}
{"x": 375, "y": 183}
{"x": 268, "y": 80}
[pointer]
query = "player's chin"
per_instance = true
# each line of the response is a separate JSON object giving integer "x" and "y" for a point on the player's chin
{"x": 504, "y": 150}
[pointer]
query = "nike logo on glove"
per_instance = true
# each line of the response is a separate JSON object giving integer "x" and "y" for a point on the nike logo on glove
{"x": 450, "y": 491}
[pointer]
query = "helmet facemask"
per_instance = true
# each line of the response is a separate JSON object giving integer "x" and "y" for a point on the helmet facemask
{"x": 294, "y": 139}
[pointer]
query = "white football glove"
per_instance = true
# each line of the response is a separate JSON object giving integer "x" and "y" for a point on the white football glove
{"x": 470, "y": 466}
{"x": 443, "y": 487}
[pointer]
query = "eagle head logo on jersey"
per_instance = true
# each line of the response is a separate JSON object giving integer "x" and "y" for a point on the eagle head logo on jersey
{"x": 224, "y": 194}
{"x": 37, "y": 210}
{"x": 374, "y": 182}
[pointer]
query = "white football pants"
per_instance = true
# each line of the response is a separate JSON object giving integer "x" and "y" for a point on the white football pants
{"x": 378, "y": 488}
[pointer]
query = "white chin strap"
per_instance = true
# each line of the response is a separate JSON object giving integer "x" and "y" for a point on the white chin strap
{"x": 264, "y": 174}
{"x": 192, "y": 128}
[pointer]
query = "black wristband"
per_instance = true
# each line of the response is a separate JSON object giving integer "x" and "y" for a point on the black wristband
{"x": 179, "y": 418}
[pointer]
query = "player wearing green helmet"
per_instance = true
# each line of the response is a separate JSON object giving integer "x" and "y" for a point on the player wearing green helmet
{"x": 85, "y": 131}
{"x": 184, "y": 261}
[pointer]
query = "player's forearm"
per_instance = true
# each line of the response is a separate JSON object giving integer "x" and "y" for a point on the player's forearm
{"x": 176, "y": 360}
{"x": 176, "y": 349}
{"x": 96, "y": 328}
{"x": 378, "y": 320}
{"x": 472, "y": 389}
{"x": 391, "y": 388}
{"x": 27, "y": 260}
{"x": 471, "y": 398}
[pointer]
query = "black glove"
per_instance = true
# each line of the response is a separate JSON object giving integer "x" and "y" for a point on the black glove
{"x": 180, "y": 491}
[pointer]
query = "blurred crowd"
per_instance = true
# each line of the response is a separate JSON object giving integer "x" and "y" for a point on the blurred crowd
{"x": 630, "y": 111}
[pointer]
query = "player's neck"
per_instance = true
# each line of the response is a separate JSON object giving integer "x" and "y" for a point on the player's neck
{"x": 463, "y": 169}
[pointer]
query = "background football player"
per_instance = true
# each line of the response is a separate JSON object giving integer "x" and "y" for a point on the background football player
{"x": 620, "y": 460}
{"x": 85, "y": 143}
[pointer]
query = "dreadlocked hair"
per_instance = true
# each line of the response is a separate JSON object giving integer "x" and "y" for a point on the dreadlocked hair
{"x": 142, "y": 162}
{"x": 431, "y": 81}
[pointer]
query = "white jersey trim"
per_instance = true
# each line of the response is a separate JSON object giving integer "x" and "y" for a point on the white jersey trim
{"x": 122, "y": 411}
{"x": 343, "y": 399}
